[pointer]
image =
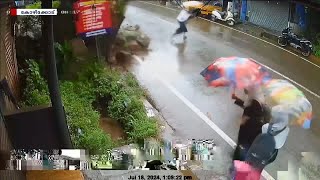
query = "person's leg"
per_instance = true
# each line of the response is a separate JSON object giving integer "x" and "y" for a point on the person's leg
{"x": 178, "y": 31}
{"x": 237, "y": 154}
{"x": 184, "y": 29}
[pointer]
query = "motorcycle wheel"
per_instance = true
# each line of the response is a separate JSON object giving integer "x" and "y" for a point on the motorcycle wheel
{"x": 208, "y": 16}
{"x": 213, "y": 18}
{"x": 282, "y": 42}
{"x": 230, "y": 23}
{"x": 306, "y": 52}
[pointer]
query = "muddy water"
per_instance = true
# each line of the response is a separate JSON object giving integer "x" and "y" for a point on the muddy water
{"x": 113, "y": 128}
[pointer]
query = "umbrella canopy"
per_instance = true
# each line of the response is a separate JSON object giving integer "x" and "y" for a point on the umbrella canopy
{"x": 289, "y": 99}
{"x": 195, "y": 4}
{"x": 235, "y": 71}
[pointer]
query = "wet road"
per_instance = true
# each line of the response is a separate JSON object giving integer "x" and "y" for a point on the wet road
{"x": 171, "y": 73}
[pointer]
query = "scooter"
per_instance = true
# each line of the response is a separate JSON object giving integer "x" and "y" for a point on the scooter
{"x": 302, "y": 44}
{"x": 223, "y": 16}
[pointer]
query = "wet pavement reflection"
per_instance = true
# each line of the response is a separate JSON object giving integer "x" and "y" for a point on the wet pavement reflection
{"x": 179, "y": 64}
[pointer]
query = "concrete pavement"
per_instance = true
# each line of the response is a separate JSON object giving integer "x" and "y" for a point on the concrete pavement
{"x": 171, "y": 73}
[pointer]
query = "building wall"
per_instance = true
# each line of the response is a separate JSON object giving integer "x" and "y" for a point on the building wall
{"x": 8, "y": 61}
{"x": 272, "y": 15}
{"x": 311, "y": 30}
{"x": 8, "y": 69}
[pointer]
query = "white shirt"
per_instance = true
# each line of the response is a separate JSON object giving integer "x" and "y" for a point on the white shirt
{"x": 183, "y": 16}
{"x": 281, "y": 138}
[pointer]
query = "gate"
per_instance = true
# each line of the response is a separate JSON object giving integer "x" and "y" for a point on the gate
{"x": 272, "y": 15}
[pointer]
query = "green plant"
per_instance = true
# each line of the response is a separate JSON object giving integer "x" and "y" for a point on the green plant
{"x": 82, "y": 117}
{"x": 65, "y": 57}
{"x": 316, "y": 48}
{"x": 133, "y": 86}
{"x": 36, "y": 90}
{"x": 122, "y": 7}
{"x": 142, "y": 127}
{"x": 96, "y": 141}
{"x": 90, "y": 71}
{"x": 56, "y": 4}
{"x": 30, "y": 26}
{"x": 77, "y": 97}
{"x": 37, "y": 5}
{"x": 124, "y": 94}
{"x": 130, "y": 111}
{"x": 121, "y": 96}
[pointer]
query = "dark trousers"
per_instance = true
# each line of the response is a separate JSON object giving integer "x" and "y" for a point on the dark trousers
{"x": 182, "y": 28}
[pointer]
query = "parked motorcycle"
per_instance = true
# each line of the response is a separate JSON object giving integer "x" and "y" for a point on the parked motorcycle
{"x": 223, "y": 16}
{"x": 292, "y": 39}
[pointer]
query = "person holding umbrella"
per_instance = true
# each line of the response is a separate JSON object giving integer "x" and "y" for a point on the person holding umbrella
{"x": 278, "y": 128}
{"x": 183, "y": 18}
{"x": 264, "y": 148}
{"x": 242, "y": 73}
{"x": 253, "y": 118}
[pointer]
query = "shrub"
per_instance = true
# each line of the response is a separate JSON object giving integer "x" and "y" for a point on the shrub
{"x": 130, "y": 111}
{"x": 316, "y": 49}
{"x": 64, "y": 56}
{"x": 90, "y": 71}
{"x": 83, "y": 118}
{"x": 121, "y": 94}
{"x": 37, "y": 5}
{"x": 36, "y": 90}
{"x": 133, "y": 86}
{"x": 96, "y": 141}
{"x": 29, "y": 26}
{"x": 142, "y": 127}
{"x": 77, "y": 98}
{"x": 124, "y": 94}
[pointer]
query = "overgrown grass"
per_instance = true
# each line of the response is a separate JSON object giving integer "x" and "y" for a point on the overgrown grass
{"x": 77, "y": 98}
{"x": 117, "y": 93}
{"x": 123, "y": 95}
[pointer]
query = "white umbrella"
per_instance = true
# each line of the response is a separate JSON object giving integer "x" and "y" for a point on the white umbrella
{"x": 192, "y": 4}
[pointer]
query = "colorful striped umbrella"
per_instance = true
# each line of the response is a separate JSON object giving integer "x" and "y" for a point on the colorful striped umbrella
{"x": 236, "y": 72}
{"x": 282, "y": 92}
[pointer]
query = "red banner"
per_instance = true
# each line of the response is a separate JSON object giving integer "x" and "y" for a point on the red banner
{"x": 93, "y": 17}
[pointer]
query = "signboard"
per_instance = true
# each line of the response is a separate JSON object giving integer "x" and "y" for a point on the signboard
{"x": 93, "y": 18}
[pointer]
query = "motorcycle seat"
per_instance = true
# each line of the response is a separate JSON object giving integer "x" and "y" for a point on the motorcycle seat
{"x": 299, "y": 39}
{"x": 222, "y": 13}
{"x": 304, "y": 40}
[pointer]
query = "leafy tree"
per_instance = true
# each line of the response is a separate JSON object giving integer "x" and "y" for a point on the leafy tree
{"x": 37, "y": 5}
